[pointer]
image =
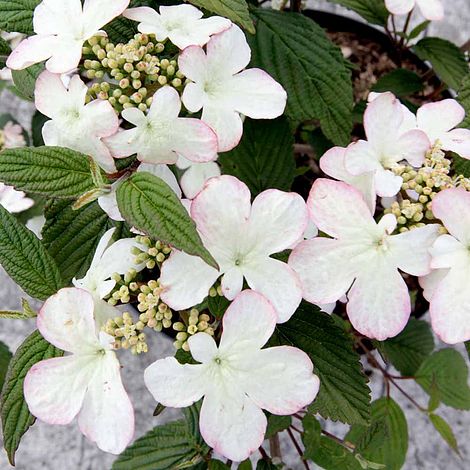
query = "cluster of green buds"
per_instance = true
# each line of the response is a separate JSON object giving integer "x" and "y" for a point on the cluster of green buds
{"x": 156, "y": 253}
{"x": 128, "y": 75}
{"x": 192, "y": 322}
{"x": 127, "y": 333}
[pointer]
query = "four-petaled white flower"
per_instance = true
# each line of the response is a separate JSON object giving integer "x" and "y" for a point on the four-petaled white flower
{"x": 160, "y": 136}
{"x": 432, "y": 10}
{"x": 14, "y": 201}
{"x": 241, "y": 237}
{"x": 392, "y": 137}
{"x": 87, "y": 383}
{"x": 438, "y": 121}
{"x": 183, "y": 25}
{"x": 195, "y": 175}
{"x": 73, "y": 123}
{"x": 224, "y": 90}
{"x": 237, "y": 379}
{"x": 363, "y": 254}
{"x": 61, "y": 27}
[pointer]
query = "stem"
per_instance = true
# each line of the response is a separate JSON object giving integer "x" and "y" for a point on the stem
{"x": 263, "y": 453}
{"x": 296, "y": 5}
{"x": 275, "y": 447}
{"x": 298, "y": 448}
{"x": 338, "y": 440}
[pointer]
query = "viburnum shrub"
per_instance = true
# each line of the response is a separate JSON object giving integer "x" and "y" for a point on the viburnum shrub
{"x": 207, "y": 170}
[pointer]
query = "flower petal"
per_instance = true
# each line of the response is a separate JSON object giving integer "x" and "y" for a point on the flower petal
{"x": 62, "y": 17}
{"x": 202, "y": 347}
{"x": 192, "y": 64}
{"x": 435, "y": 119}
{"x": 400, "y": 7}
{"x": 226, "y": 123}
{"x": 195, "y": 177}
{"x": 361, "y": 158}
{"x": 412, "y": 146}
{"x": 123, "y": 144}
{"x": 432, "y": 10}
{"x": 66, "y": 56}
{"x": 31, "y": 51}
{"x": 387, "y": 183}
{"x": 232, "y": 282}
{"x": 431, "y": 281}
{"x": 458, "y": 141}
{"x": 448, "y": 252}
{"x": 98, "y": 14}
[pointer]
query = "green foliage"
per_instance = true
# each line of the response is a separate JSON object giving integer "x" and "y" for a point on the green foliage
{"x": 5, "y": 356}
{"x": 447, "y": 59}
{"x": 26, "y": 260}
{"x": 299, "y": 55}
{"x": 330, "y": 455}
{"x": 174, "y": 445}
{"x": 17, "y": 15}
{"x": 410, "y": 348}
{"x": 344, "y": 394}
{"x": 26, "y": 314}
{"x": 235, "y": 10}
{"x": 37, "y": 123}
{"x": 64, "y": 172}
{"x": 311, "y": 436}
{"x": 443, "y": 428}
{"x": 218, "y": 465}
{"x": 5, "y": 50}
{"x": 401, "y": 82}
{"x": 265, "y": 156}
{"x": 385, "y": 441}
{"x": 150, "y": 205}
{"x": 121, "y": 30}
{"x": 464, "y": 99}
{"x": 25, "y": 81}
{"x": 277, "y": 424}
{"x": 373, "y": 11}
{"x": 245, "y": 465}
{"x": 16, "y": 418}
{"x": 417, "y": 30}
{"x": 218, "y": 305}
{"x": 446, "y": 370}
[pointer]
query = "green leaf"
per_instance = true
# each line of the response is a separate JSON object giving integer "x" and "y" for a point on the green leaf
{"x": 26, "y": 314}
{"x": 265, "y": 464}
{"x": 64, "y": 172}
{"x": 449, "y": 372}
{"x": 17, "y": 15}
{"x": 410, "y": 348}
{"x": 235, "y": 10}
{"x": 373, "y": 11}
{"x": 467, "y": 348}
{"x": 218, "y": 305}
{"x": 26, "y": 260}
{"x": 331, "y": 455}
{"x": 5, "y": 50}
{"x": 447, "y": 59}
{"x": 277, "y": 424}
{"x": 415, "y": 32}
{"x": 311, "y": 436}
{"x": 25, "y": 80}
{"x": 401, "y": 82}
{"x": 150, "y": 205}
{"x": 443, "y": 428}
{"x": 298, "y": 54}
{"x": 392, "y": 447}
{"x": 121, "y": 30}
{"x": 245, "y": 465}
{"x": 344, "y": 394}
{"x": 37, "y": 123}
{"x": 5, "y": 356}
{"x": 16, "y": 418}
{"x": 265, "y": 156}
{"x": 464, "y": 99}
{"x": 217, "y": 465}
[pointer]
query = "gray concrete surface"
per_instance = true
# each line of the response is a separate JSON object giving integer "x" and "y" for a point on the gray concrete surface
{"x": 63, "y": 448}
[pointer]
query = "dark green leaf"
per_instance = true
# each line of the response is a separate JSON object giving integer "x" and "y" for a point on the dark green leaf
{"x": 245, "y": 465}
{"x": 344, "y": 394}
{"x": 17, "y": 15}
{"x": 298, "y": 54}
{"x": 218, "y": 305}
{"x": 443, "y": 428}
{"x": 5, "y": 356}
{"x": 5, "y": 50}
{"x": 415, "y": 32}
{"x": 331, "y": 455}
{"x": 25, "y": 80}
{"x": 218, "y": 465}
{"x": 373, "y": 11}
{"x": 464, "y": 99}
{"x": 277, "y": 424}
{"x": 121, "y": 30}
{"x": 150, "y": 205}
{"x": 16, "y": 418}
{"x": 311, "y": 436}
{"x": 401, "y": 82}
{"x": 37, "y": 124}
{"x": 265, "y": 464}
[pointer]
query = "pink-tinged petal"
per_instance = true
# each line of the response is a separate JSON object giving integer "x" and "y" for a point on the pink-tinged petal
{"x": 194, "y": 179}
{"x": 452, "y": 207}
{"x": 123, "y": 144}
{"x": 400, "y": 7}
{"x": 232, "y": 283}
{"x": 431, "y": 281}
{"x": 142, "y": 14}
{"x": 192, "y": 64}
{"x": 411, "y": 249}
{"x": 248, "y": 308}
{"x": 66, "y": 56}
{"x": 361, "y": 158}
{"x": 412, "y": 146}
{"x": 280, "y": 380}
{"x": 97, "y": 14}
{"x": 226, "y": 123}
{"x": 54, "y": 389}
{"x": 325, "y": 267}
{"x": 204, "y": 29}
{"x": 95, "y": 148}
{"x": 186, "y": 280}
{"x": 134, "y": 116}
{"x": 31, "y": 51}
{"x": 203, "y": 347}
{"x": 66, "y": 320}
{"x": 432, "y": 10}
{"x": 231, "y": 423}
{"x": 62, "y": 17}
{"x": 109, "y": 204}
{"x": 174, "y": 384}
{"x": 104, "y": 121}
{"x": 278, "y": 283}
{"x": 458, "y": 141}
{"x": 193, "y": 97}
{"x": 107, "y": 415}
{"x": 338, "y": 209}
{"x": 435, "y": 119}
{"x": 379, "y": 303}
{"x": 450, "y": 307}
{"x": 50, "y": 95}
{"x": 166, "y": 104}
{"x": 256, "y": 94}
{"x": 448, "y": 252}
{"x": 387, "y": 183}
{"x": 278, "y": 220}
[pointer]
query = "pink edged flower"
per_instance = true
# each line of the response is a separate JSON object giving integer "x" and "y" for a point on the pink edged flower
{"x": 74, "y": 124}
{"x": 241, "y": 237}
{"x": 14, "y": 201}
{"x": 196, "y": 175}
{"x": 432, "y": 10}
{"x": 447, "y": 289}
{"x": 13, "y": 136}
{"x": 362, "y": 258}
{"x": 392, "y": 137}
{"x": 237, "y": 379}
{"x": 61, "y": 27}
{"x": 224, "y": 90}
{"x": 85, "y": 384}
{"x": 160, "y": 136}
{"x": 183, "y": 25}
{"x": 438, "y": 121}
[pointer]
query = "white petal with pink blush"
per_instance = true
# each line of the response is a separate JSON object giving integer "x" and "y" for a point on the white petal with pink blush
{"x": 195, "y": 175}
{"x": 237, "y": 379}
{"x": 432, "y": 10}
{"x": 362, "y": 259}
{"x": 14, "y": 201}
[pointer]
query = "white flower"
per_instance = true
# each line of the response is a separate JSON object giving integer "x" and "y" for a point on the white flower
{"x": 241, "y": 237}
{"x": 438, "y": 121}
{"x": 61, "y": 27}
{"x": 183, "y": 25}
{"x": 431, "y": 9}
{"x": 109, "y": 258}
{"x": 237, "y": 379}
{"x": 14, "y": 201}
{"x": 362, "y": 258}
{"x": 13, "y": 136}
{"x": 392, "y": 137}
{"x": 224, "y": 90}
{"x": 36, "y": 224}
{"x": 160, "y": 136}
{"x": 74, "y": 124}
{"x": 195, "y": 175}
{"x": 86, "y": 384}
